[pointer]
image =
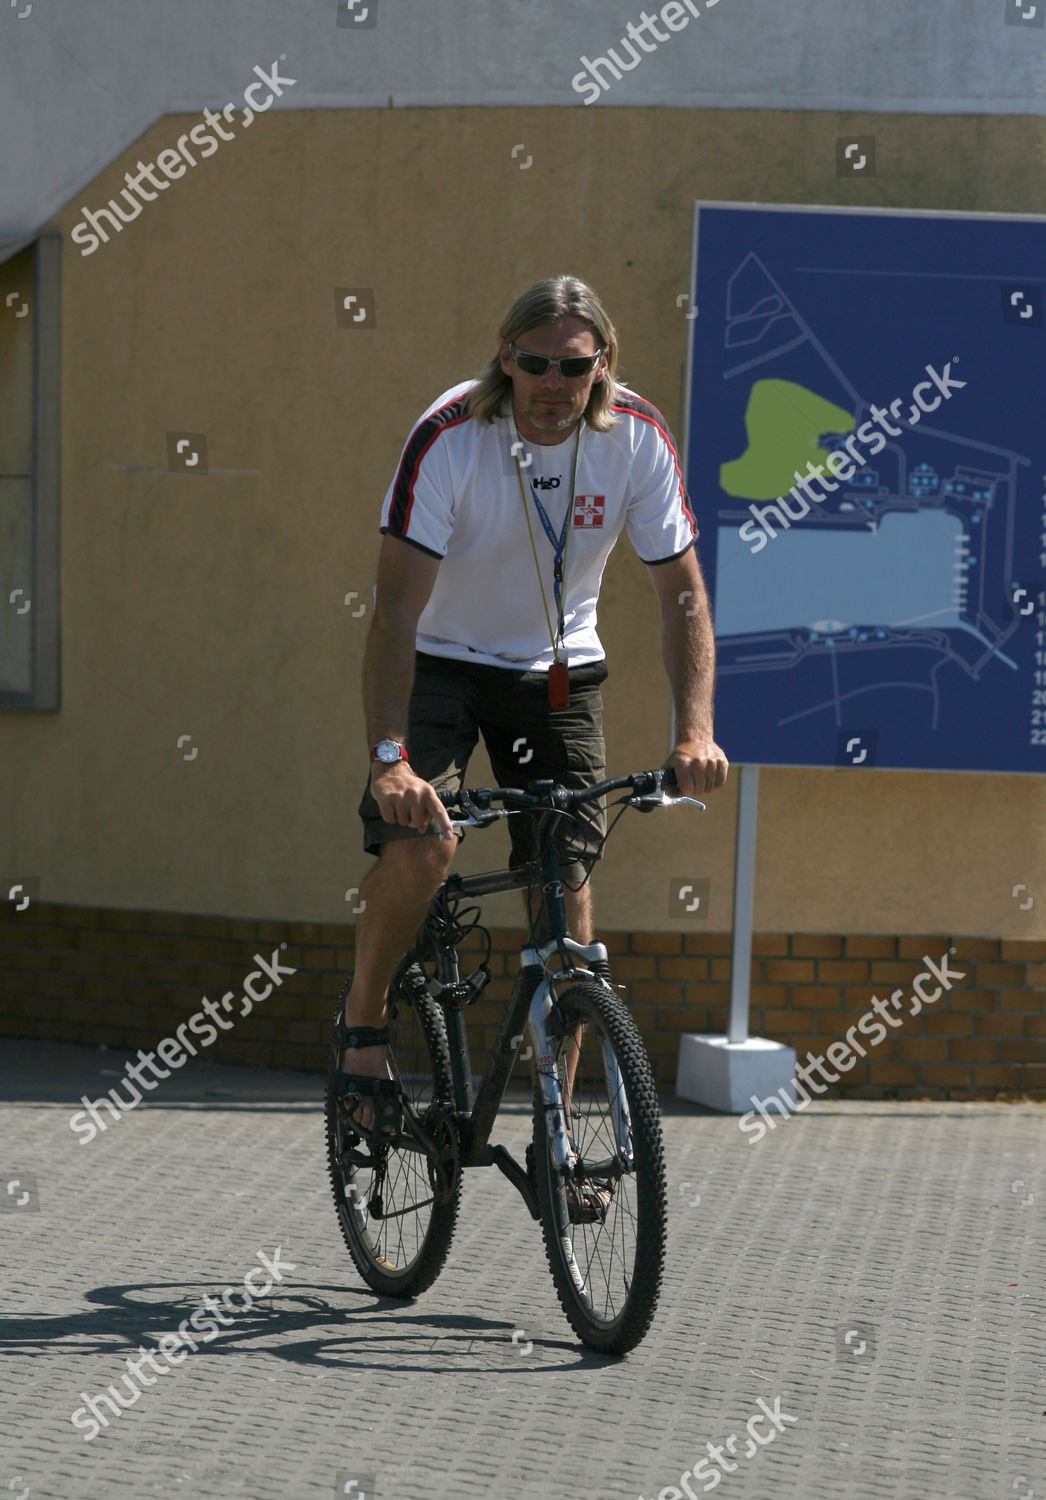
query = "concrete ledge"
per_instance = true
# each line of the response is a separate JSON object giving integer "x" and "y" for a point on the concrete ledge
{"x": 724, "y": 1075}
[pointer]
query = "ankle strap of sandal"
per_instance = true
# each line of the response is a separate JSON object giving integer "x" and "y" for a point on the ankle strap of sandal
{"x": 363, "y": 1036}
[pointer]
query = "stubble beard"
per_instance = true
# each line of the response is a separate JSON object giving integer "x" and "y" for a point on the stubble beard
{"x": 545, "y": 423}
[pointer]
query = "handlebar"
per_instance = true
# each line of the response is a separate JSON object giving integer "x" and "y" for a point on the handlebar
{"x": 649, "y": 789}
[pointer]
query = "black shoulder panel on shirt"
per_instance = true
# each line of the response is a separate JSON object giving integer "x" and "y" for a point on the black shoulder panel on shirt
{"x": 637, "y": 407}
{"x": 640, "y": 408}
{"x": 421, "y": 440}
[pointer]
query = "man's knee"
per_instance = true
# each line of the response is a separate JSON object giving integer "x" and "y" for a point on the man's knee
{"x": 418, "y": 859}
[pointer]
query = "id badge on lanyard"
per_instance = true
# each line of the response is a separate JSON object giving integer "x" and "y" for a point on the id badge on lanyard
{"x": 558, "y": 676}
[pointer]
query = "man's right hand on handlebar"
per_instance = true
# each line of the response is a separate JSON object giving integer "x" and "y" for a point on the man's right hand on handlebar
{"x": 404, "y": 798}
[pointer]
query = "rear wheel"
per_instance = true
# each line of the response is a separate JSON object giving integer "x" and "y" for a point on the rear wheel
{"x": 397, "y": 1215}
{"x": 605, "y": 1226}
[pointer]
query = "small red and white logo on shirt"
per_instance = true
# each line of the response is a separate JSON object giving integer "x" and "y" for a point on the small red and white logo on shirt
{"x": 588, "y": 510}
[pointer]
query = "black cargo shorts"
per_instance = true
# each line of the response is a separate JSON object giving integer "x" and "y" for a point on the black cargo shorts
{"x": 454, "y": 702}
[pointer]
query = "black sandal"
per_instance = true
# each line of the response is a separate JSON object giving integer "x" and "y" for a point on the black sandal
{"x": 588, "y": 1198}
{"x": 351, "y": 1088}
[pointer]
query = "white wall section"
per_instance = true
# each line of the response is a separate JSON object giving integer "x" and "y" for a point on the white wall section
{"x": 80, "y": 81}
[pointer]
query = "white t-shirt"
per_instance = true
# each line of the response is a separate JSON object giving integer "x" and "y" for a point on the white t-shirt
{"x": 456, "y": 496}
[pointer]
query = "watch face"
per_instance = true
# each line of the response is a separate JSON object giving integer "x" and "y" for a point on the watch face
{"x": 387, "y": 751}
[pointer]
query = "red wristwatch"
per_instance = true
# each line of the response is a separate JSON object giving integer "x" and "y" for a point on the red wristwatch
{"x": 389, "y": 751}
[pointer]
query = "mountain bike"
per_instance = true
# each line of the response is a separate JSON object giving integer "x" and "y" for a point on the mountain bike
{"x": 594, "y": 1172}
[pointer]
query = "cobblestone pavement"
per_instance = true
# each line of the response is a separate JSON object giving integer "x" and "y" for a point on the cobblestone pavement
{"x": 875, "y": 1270}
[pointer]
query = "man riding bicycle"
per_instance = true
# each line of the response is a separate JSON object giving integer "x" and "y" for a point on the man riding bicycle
{"x": 510, "y": 494}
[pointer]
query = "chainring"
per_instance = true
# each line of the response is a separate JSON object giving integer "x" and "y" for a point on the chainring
{"x": 444, "y": 1171}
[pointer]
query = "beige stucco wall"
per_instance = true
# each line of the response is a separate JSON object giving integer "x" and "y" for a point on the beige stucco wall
{"x": 16, "y": 449}
{"x": 213, "y": 606}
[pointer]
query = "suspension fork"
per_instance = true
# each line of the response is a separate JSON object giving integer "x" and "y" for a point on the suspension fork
{"x": 618, "y": 1104}
{"x": 615, "y": 1085}
{"x": 552, "y": 1091}
{"x": 548, "y": 1074}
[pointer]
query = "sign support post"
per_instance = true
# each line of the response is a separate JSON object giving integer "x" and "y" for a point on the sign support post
{"x": 744, "y": 903}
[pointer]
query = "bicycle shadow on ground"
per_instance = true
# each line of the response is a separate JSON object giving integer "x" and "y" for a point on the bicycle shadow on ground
{"x": 378, "y": 1333}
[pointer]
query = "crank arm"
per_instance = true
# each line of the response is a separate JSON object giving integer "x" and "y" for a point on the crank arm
{"x": 518, "y": 1178}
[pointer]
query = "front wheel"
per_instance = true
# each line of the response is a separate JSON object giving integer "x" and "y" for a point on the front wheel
{"x": 604, "y": 1225}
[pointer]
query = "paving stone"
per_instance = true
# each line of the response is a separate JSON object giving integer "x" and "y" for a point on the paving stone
{"x": 876, "y": 1268}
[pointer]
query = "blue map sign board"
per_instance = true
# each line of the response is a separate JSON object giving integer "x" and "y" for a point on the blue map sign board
{"x": 866, "y": 455}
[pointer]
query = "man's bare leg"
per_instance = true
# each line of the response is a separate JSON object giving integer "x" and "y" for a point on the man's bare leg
{"x": 397, "y": 891}
{"x": 579, "y": 911}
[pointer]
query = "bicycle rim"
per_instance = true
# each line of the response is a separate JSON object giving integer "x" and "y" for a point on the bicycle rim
{"x": 607, "y": 1267}
{"x": 397, "y": 1216}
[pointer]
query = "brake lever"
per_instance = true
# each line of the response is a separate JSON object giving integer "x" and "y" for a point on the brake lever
{"x": 647, "y": 804}
{"x": 487, "y": 817}
{"x": 471, "y": 820}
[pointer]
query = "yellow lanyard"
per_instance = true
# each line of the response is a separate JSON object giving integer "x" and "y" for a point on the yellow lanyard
{"x": 560, "y": 567}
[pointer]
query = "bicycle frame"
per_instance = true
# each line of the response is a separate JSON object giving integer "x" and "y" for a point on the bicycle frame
{"x": 528, "y": 1010}
{"x": 533, "y": 996}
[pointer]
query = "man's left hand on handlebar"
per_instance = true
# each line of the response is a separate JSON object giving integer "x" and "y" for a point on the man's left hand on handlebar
{"x": 699, "y": 765}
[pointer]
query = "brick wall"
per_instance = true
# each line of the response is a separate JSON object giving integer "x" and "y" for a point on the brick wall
{"x": 82, "y": 974}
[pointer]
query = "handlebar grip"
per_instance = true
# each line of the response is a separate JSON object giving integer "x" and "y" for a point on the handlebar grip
{"x": 654, "y": 784}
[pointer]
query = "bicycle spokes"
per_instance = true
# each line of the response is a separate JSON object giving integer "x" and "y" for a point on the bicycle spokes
{"x": 599, "y": 1190}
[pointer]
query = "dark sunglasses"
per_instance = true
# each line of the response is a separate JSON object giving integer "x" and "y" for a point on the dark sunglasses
{"x": 570, "y": 367}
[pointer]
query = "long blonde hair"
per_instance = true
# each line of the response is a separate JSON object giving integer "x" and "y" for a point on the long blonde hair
{"x": 545, "y": 302}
